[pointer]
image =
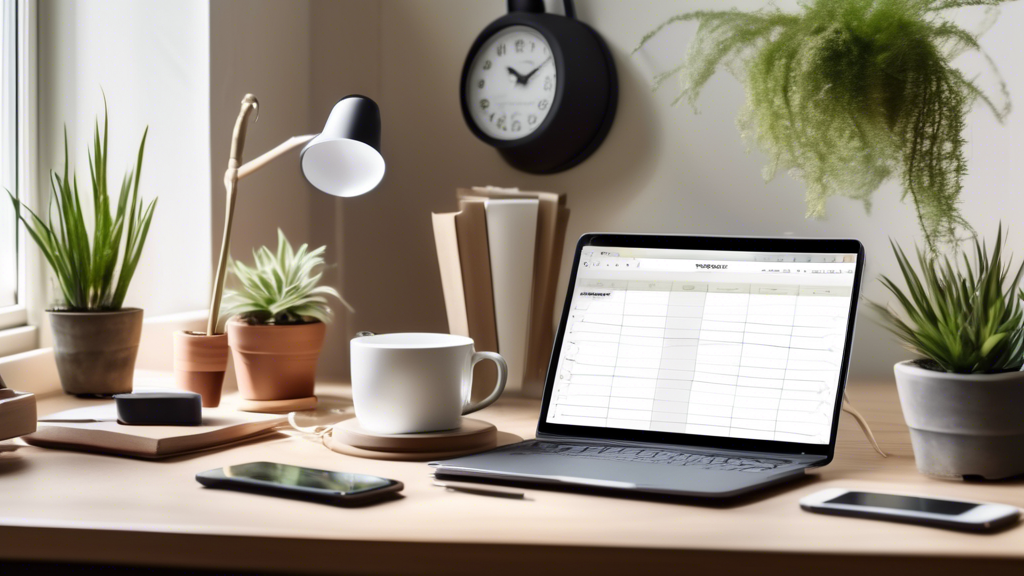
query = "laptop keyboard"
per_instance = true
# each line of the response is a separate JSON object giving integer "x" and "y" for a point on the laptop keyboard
{"x": 651, "y": 456}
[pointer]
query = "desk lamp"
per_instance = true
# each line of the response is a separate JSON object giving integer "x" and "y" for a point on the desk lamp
{"x": 344, "y": 160}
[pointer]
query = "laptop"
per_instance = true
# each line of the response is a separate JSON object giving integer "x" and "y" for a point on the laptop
{"x": 695, "y": 366}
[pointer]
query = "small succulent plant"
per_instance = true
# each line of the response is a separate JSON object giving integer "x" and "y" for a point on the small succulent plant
{"x": 961, "y": 317}
{"x": 281, "y": 288}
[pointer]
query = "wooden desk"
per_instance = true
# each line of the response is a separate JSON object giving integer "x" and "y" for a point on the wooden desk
{"x": 65, "y": 506}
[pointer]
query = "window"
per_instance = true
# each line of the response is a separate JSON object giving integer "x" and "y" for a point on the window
{"x": 17, "y": 116}
{"x": 8, "y": 155}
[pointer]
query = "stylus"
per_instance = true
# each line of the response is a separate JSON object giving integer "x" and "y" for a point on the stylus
{"x": 482, "y": 491}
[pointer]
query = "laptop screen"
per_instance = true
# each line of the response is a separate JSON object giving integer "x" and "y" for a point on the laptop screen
{"x": 744, "y": 345}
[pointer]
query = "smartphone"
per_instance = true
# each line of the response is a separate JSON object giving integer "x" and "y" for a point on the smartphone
{"x": 952, "y": 514}
{"x": 284, "y": 480}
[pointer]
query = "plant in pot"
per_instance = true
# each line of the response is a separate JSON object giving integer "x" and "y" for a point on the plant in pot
{"x": 846, "y": 94}
{"x": 964, "y": 398}
{"x": 278, "y": 316}
{"x": 95, "y": 339}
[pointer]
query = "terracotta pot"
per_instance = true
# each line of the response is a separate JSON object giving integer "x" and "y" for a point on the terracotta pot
{"x": 199, "y": 364}
{"x": 95, "y": 351}
{"x": 276, "y": 362}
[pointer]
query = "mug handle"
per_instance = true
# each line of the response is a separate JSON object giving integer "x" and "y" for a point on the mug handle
{"x": 502, "y": 377}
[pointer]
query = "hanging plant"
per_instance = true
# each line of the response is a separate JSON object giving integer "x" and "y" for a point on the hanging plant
{"x": 847, "y": 94}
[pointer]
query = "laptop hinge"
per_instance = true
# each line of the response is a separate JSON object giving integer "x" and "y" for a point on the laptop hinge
{"x": 808, "y": 459}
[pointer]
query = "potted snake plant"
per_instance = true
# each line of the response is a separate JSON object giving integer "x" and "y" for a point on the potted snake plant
{"x": 964, "y": 396}
{"x": 96, "y": 338}
{"x": 278, "y": 320}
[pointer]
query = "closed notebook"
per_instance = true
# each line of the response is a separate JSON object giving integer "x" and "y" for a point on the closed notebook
{"x": 475, "y": 260}
{"x": 95, "y": 429}
{"x": 512, "y": 235}
{"x": 552, "y": 220}
{"x": 446, "y": 241}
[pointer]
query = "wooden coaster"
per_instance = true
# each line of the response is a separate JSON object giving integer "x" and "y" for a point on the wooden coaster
{"x": 472, "y": 435}
{"x": 503, "y": 438}
{"x": 342, "y": 448}
{"x": 277, "y": 406}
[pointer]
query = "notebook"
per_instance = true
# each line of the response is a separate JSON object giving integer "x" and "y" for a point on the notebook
{"x": 447, "y": 244}
{"x": 552, "y": 220}
{"x": 95, "y": 429}
{"x": 511, "y": 234}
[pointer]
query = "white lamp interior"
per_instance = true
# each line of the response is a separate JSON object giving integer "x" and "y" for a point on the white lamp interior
{"x": 343, "y": 167}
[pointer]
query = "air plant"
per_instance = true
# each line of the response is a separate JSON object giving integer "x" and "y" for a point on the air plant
{"x": 847, "y": 94}
{"x": 281, "y": 288}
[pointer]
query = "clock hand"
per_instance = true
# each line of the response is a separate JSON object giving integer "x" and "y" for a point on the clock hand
{"x": 535, "y": 70}
{"x": 520, "y": 79}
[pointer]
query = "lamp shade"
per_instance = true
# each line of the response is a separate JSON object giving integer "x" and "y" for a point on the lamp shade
{"x": 344, "y": 160}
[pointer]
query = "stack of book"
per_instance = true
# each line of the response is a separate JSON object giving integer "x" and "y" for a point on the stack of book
{"x": 500, "y": 256}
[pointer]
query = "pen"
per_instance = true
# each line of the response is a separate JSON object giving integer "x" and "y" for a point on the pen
{"x": 482, "y": 491}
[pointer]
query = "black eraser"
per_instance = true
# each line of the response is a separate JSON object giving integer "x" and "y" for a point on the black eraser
{"x": 160, "y": 408}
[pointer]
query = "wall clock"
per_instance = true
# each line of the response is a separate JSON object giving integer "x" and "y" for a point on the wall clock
{"x": 540, "y": 88}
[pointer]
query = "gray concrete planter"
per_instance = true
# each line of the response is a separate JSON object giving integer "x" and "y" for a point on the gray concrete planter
{"x": 95, "y": 351}
{"x": 964, "y": 424}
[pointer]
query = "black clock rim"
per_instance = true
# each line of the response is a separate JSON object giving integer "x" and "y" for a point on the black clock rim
{"x": 507, "y": 21}
{"x": 607, "y": 119}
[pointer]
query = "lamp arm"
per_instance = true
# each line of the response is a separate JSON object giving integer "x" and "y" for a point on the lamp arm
{"x": 272, "y": 154}
{"x": 249, "y": 105}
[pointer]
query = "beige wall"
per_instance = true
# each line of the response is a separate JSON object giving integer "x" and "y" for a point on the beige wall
{"x": 662, "y": 169}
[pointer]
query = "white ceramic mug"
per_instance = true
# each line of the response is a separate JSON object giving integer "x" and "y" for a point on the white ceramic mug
{"x": 410, "y": 383}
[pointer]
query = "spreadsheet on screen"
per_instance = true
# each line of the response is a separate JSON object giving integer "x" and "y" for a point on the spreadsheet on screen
{"x": 719, "y": 343}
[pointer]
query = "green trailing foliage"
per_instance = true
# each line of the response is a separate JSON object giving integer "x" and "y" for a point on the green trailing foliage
{"x": 93, "y": 273}
{"x": 961, "y": 317}
{"x": 847, "y": 94}
{"x": 282, "y": 288}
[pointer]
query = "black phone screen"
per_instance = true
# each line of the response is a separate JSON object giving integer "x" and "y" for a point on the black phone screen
{"x": 910, "y": 503}
{"x": 287, "y": 475}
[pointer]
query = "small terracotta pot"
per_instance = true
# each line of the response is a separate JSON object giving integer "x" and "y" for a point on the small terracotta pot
{"x": 276, "y": 362}
{"x": 95, "y": 351}
{"x": 199, "y": 364}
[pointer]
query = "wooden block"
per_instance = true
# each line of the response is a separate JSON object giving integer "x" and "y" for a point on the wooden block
{"x": 17, "y": 413}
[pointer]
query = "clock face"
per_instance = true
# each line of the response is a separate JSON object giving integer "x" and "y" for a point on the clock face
{"x": 511, "y": 83}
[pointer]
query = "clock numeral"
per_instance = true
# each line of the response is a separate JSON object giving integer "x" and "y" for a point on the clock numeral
{"x": 516, "y": 126}
{"x": 501, "y": 123}
{"x": 531, "y": 119}
{"x": 542, "y": 105}
{"x": 520, "y": 45}
{"x": 480, "y": 84}
{"x": 491, "y": 118}
{"x": 485, "y": 103}
{"x": 501, "y": 49}
{"x": 533, "y": 46}
{"x": 547, "y": 83}
{"x": 487, "y": 65}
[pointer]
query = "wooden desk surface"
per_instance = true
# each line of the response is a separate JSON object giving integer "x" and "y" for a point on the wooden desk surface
{"x": 67, "y": 506}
